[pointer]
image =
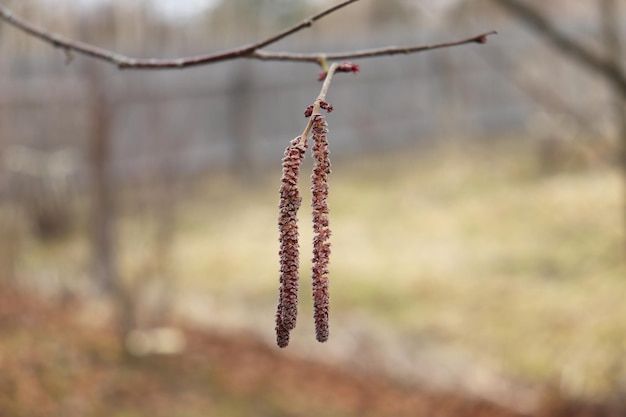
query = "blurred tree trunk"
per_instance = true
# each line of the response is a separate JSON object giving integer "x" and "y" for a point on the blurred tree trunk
{"x": 102, "y": 206}
{"x": 103, "y": 203}
{"x": 569, "y": 46}
{"x": 606, "y": 65}
{"x": 612, "y": 38}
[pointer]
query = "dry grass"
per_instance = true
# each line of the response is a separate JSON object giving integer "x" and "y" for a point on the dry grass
{"x": 55, "y": 365}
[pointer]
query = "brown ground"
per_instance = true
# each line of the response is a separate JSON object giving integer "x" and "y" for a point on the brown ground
{"x": 53, "y": 366}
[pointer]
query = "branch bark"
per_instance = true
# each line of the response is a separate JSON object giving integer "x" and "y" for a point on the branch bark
{"x": 610, "y": 27}
{"x": 251, "y": 51}
{"x": 569, "y": 46}
{"x": 607, "y": 65}
{"x": 611, "y": 30}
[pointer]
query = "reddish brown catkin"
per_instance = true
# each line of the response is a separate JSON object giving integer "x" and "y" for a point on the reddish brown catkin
{"x": 290, "y": 201}
{"x": 282, "y": 334}
{"x": 321, "y": 246}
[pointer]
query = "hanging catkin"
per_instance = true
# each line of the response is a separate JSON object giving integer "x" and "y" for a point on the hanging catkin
{"x": 290, "y": 201}
{"x": 321, "y": 246}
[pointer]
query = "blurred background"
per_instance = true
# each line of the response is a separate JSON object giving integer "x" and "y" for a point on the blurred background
{"x": 477, "y": 210}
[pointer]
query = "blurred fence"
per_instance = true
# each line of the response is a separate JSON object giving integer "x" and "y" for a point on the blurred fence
{"x": 242, "y": 114}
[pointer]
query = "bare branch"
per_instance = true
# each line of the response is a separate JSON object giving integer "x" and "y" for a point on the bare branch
{"x": 302, "y": 25}
{"x": 251, "y": 51}
{"x": 368, "y": 53}
{"x": 566, "y": 44}
{"x": 321, "y": 97}
{"x": 122, "y": 61}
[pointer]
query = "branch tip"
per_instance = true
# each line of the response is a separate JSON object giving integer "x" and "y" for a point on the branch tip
{"x": 483, "y": 38}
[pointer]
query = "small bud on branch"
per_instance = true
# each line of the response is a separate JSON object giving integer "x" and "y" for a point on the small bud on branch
{"x": 326, "y": 106}
{"x": 348, "y": 67}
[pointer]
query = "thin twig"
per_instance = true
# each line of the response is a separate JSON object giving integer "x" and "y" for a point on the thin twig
{"x": 321, "y": 97}
{"x": 368, "y": 53}
{"x": 123, "y": 61}
{"x": 302, "y": 25}
{"x": 251, "y": 51}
